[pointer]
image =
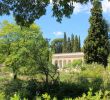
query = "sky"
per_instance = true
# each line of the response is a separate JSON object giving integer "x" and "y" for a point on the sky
{"x": 78, "y": 24}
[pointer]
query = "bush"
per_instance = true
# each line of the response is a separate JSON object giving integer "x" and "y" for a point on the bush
{"x": 29, "y": 89}
{"x": 2, "y": 96}
{"x": 25, "y": 89}
{"x": 75, "y": 63}
{"x": 12, "y": 87}
{"x": 15, "y": 97}
{"x": 97, "y": 96}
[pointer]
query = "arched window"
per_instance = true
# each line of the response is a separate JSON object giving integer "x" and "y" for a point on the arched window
{"x": 64, "y": 63}
{"x": 56, "y": 63}
{"x": 60, "y": 64}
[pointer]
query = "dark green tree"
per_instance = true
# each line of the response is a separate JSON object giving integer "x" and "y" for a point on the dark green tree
{"x": 96, "y": 44}
{"x": 72, "y": 42}
{"x": 57, "y": 45}
{"x": 69, "y": 47}
{"x": 27, "y": 11}
{"x": 109, "y": 35}
{"x": 65, "y": 43}
{"x": 76, "y": 44}
{"x": 79, "y": 45}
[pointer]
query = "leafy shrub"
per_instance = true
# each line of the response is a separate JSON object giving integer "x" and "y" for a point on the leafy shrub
{"x": 98, "y": 96}
{"x": 15, "y": 97}
{"x": 46, "y": 96}
{"x": 29, "y": 89}
{"x": 12, "y": 87}
{"x": 2, "y": 96}
{"x": 25, "y": 89}
{"x": 75, "y": 63}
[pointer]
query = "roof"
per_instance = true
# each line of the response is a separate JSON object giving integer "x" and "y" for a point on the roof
{"x": 68, "y": 55}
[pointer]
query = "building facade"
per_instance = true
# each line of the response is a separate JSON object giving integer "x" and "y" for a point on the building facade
{"x": 60, "y": 60}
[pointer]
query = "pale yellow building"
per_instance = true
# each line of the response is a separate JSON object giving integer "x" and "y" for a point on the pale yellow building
{"x": 60, "y": 60}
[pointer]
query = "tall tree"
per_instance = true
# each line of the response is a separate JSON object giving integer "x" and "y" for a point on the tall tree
{"x": 76, "y": 44}
{"x": 27, "y": 11}
{"x": 65, "y": 43}
{"x": 69, "y": 49}
{"x": 109, "y": 35}
{"x": 96, "y": 44}
{"x": 72, "y": 42}
{"x": 79, "y": 45}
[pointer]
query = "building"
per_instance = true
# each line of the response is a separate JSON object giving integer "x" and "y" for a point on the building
{"x": 60, "y": 60}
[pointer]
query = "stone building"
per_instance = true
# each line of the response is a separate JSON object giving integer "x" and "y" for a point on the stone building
{"x": 60, "y": 60}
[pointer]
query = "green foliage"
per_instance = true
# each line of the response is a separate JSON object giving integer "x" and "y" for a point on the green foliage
{"x": 12, "y": 87}
{"x": 29, "y": 89}
{"x": 69, "y": 45}
{"x": 46, "y": 96}
{"x": 2, "y": 96}
{"x": 96, "y": 44}
{"x": 71, "y": 85}
{"x": 77, "y": 63}
{"x": 74, "y": 64}
{"x": 72, "y": 42}
{"x": 65, "y": 43}
{"x": 76, "y": 44}
{"x": 21, "y": 53}
{"x": 57, "y": 45}
{"x": 25, "y": 89}
{"x": 15, "y": 97}
{"x": 27, "y": 11}
{"x": 98, "y": 96}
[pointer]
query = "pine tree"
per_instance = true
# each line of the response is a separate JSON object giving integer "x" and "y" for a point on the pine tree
{"x": 65, "y": 43}
{"x": 69, "y": 49}
{"x": 96, "y": 44}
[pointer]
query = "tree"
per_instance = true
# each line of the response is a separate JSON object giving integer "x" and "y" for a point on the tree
{"x": 57, "y": 45}
{"x": 79, "y": 45}
{"x": 69, "y": 48}
{"x": 96, "y": 44}
{"x": 27, "y": 11}
{"x": 76, "y": 44}
{"x": 109, "y": 42}
{"x": 65, "y": 43}
{"x": 21, "y": 53}
{"x": 72, "y": 42}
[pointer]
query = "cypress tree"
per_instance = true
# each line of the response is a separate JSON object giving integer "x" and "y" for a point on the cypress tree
{"x": 96, "y": 44}
{"x": 79, "y": 45}
{"x": 72, "y": 42}
{"x": 69, "y": 49}
{"x": 109, "y": 41}
{"x": 65, "y": 43}
{"x": 76, "y": 44}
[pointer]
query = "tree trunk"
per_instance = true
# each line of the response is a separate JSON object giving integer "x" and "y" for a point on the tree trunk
{"x": 46, "y": 79}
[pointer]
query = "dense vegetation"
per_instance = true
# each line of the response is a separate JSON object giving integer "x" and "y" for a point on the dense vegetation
{"x": 26, "y": 71}
{"x": 66, "y": 45}
{"x": 73, "y": 82}
{"x": 27, "y": 11}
